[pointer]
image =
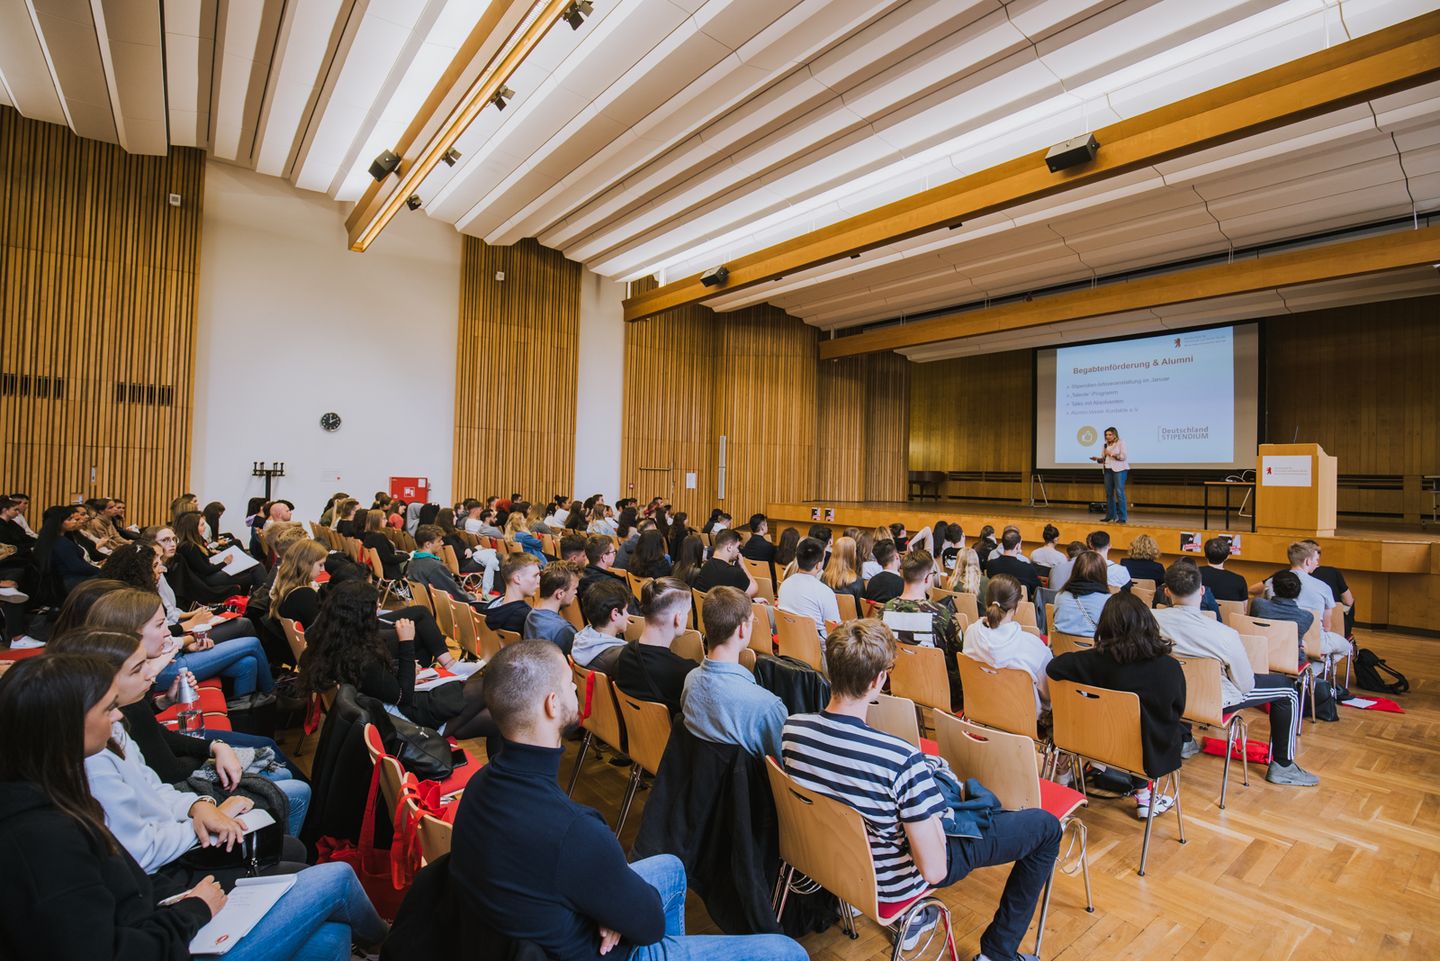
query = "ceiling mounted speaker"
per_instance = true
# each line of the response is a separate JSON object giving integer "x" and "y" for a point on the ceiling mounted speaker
{"x": 384, "y": 165}
{"x": 1072, "y": 153}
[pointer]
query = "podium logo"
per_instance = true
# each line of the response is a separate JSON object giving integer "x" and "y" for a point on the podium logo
{"x": 1087, "y": 435}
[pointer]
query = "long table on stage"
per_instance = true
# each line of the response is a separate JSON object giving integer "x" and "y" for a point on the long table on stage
{"x": 1394, "y": 572}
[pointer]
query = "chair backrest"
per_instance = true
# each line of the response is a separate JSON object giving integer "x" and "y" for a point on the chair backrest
{"x": 637, "y": 584}
{"x": 824, "y": 839}
{"x": 603, "y": 717}
{"x": 294, "y": 636}
{"x": 1003, "y": 762}
{"x": 765, "y": 587}
{"x": 452, "y": 562}
{"x": 462, "y": 616}
{"x": 488, "y": 639}
{"x": 1203, "y": 697}
{"x": 1257, "y": 649}
{"x": 689, "y": 645}
{"x": 434, "y": 838}
{"x": 846, "y": 602}
{"x": 747, "y": 659}
{"x": 1099, "y": 724}
{"x": 443, "y": 607}
{"x": 919, "y": 675}
{"x": 634, "y": 627}
{"x": 1025, "y": 614}
{"x": 998, "y": 697}
{"x": 1050, "y": 616}
{"x": 1062, "y": 643}
{"x": 1282, "y": 637}
{"x": 392, "y": 775}
{"x": 1145, "y": 590}
{"x": 1227, "y": 608}
{"x": 420, "y": 594}
{"x": 372, "y": 558}
{"x": 571, "y": 612}
{"x": 697, "y": 609}
{"x": 508, "y": 637}
{"x": 967, "y": 604}
{"x": 647, "y": 729}
{"x": 756, "y": 569}
{"x": 762, "y": 634}
{"x": 1311, "y": 638}
{"x": 894, "y": 715}
{"x": 796, "y": 637}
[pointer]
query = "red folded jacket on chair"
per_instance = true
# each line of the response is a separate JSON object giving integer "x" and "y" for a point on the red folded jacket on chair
{"x": 1256, "y": 752}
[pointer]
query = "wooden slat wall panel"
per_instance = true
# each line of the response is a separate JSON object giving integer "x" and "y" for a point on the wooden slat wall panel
{"x": 972, "y": 413}
{"x": 516, "y": 367}
{"x": 887, "y": 426}
{"x": 98, "y": 284}
{"x": 841, "y": 465}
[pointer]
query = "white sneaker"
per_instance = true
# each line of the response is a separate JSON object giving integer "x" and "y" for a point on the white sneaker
{"x": 13, "y": 595}
{"x": 25, "y": 642}
{"x": 1143, "y": 803}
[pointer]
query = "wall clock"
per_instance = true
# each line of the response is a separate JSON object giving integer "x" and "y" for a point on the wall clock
{"x": 330, "y": 421}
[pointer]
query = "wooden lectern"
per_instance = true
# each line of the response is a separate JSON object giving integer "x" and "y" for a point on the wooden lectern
{"x": 1295, "y": 490}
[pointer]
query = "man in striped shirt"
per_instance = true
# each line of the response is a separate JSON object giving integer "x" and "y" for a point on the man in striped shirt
{"x": 887, "y": 780}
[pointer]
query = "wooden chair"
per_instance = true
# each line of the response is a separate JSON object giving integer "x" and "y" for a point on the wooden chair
{"x": 599, "y": 716}
{"x": 1257, "y": 649}
{"x": 434, "y": 838}
{"x": 1005, "y": 763}
{"x": 1050, "y": 617}
{"x": 634, "y": 628}
{"x": 508, "y": 637}
{"x": 392, "y": 775}
{"x": 1233, "y": 607}
{"x": 1283, "y": 640}
{"x": 420, "y": 594}
{"x": 1025, "y": 614}
{"x": 765, "y": 587}
{"x": 572, "y": 613}
{"x": 825, "y": 841}
{"x": 762, "y": 635}
{"x": 1103, "y": 725}
{"x": 294, "y": 636}
{"x": 1204, "y": 705}
{"x": 967, "y": 604}
{"x": 896, "y": 716}
{"x": 637, "y": 584}
{"x": 1002, "y": 698}
{"x": 466, "y": 635}
{"x": 1062, "y": 643}
{"x": 757, "y": 569}
{"x": 488, "y": 639}
{"x": 919, "y": 675}
{"x": 846, "y": 602}
{"x": 796, "y": 637}
{"x": 441, "y": 606}
{"x": 689, "y": 645}
{"x": 1145, "y": 590}
{"x": 387, "y": 586}
{"x": 452, "y": 562}
{"x": 697, "y": 609}
{"x": 647, "y": 730}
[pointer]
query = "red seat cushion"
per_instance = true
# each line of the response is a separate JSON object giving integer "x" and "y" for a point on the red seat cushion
{"x": 891, "y": 909}
{"x": 1059, "y": 800}
{"x": 930, "y": 747}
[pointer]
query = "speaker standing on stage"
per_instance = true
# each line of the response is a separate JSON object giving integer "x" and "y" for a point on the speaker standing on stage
{"x": 1117, "y": 469}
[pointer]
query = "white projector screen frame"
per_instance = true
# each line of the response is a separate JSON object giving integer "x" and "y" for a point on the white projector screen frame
{"x": 1134, "y": 360}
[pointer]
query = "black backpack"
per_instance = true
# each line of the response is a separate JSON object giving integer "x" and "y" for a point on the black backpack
{"x": 1371, "y": 671}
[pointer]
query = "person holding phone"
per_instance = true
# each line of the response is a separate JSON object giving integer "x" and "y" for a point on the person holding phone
{"x": 1115, "y": 463}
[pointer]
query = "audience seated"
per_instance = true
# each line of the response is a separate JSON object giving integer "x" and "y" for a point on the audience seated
{"x": 842, "y": 573}
{"x": 1314, "y": 595}
{"x": 1131, "y": 655}
{"x": 724, "y": 567}
{"x": 885, "y": 584}
{"x": 647, "y": 558}
{"x": 1225, "y": 585}
{"x": 804, "y": 593}
{"x": 647, "y": 669}
{"x": 517, "y": 529}
{"x": 427, "y": 568}
{"x": 1115, "y": 575}
{"x": 689, "y": 559}
{"x": 1009, "y": 560}
{"x": 1334, "y": 579}
{"x": 915, "y": 619}
{"x": 836, "y": 753}
{"x": 721, "y": 701}
{"x": 997, "y": 639}
{"x": 597, "y": 645}
{"x": 85, "y": 896}
{"x": 60, "y": 560}
{"x": 1283, "y": 604}
{"x": 758, "y": 547}
{"x": 559, "y": 583}
{"x": 521, "y": 575}
{"x": 1194, "y": 633}
{"x": 1060, "y": 571}
{"x": 600, "y": 554}
{"x": 207, "y": 581}
{"x": 785, "y": 549}
{"x": 1142, "y": 560}
{"x": 1081, "y": 601}
{"x": 534, "y": 865}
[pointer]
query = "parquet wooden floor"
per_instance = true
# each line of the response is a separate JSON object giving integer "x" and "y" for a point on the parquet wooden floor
{"x": 1350, "y": 869}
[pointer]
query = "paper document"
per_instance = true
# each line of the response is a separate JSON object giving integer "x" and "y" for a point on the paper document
{"x": 234, "y": 559}
{"x": 252, "y": 821}
{"x": 432, "y": 677}
{"x": 1360, "y": 702}
{"x": 248, "y": 902}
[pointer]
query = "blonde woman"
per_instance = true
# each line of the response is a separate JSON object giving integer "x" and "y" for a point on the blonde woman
{"x": 842, "y": 574}
{"x": 967, "y": 578}
{"x": 298, "y": 568}
{"x": 1143, "y": 561}
{"x": 516, "y": 529}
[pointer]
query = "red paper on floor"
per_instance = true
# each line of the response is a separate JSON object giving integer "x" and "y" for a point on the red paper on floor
{"x": 1257, "y": 752}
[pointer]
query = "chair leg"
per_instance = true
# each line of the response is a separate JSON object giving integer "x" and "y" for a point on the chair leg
{"x": 1244, "y": 754}
{"x": 1085, "y": 863}
{"x": 847, "y": 921}
{"x": 630, "y": 791}
{"x": 579, "y": 760}
{"x": 1179, "y": 820}
{"x": 782, "y": 889}
{"x": 1044, "y": 909}
{"x": 1149, "y": 820}
{"x": 1229, "y": 750}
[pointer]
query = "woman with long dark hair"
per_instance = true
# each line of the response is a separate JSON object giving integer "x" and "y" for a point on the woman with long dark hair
{"x": 140, "y": 564}
{"x": 785, "y": 547}
{"x": 81, "y": 895}
{"x": 1130, "y": 654}
{"x": 207, "y": 581}
{"x": 689, "y": 559}
{"x": 679, "y": 530}
{"x": 212, "y": 513}
{"x": 649, "y": 559}
{"x": 60, "y": 560}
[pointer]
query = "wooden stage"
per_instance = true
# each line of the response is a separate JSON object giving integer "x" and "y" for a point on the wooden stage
{"x": 1394, "y": 571}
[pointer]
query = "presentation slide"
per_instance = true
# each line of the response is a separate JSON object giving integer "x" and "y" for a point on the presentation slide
{"x": 1183, "y": 399}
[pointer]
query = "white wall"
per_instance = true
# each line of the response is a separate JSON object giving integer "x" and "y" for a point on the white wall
{"x": 599, "y": 395}
{"x": 292, "y": 325}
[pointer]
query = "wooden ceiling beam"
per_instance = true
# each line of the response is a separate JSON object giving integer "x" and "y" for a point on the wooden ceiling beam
{"x": 1396, "y": 58}
{"x": 446, "y": 115}
{"x": 1352, "y": 258}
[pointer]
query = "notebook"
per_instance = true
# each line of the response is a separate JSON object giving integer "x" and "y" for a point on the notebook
{"x": 248, "y": 902}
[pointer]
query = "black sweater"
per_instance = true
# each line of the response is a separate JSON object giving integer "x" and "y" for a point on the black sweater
{"x": 389, "y": 558}
{"x": 68, "y": 898}
{"x": 536, "y": 866}
{"x": 1161, "y": 685}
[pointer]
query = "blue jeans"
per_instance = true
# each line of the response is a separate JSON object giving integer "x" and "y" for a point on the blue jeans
{"x": 241, "y": 659}
{"x": 666, "y": 874}
{"x": 1031, "y": 839}
{"x": 1115, "y": 495}
{"x": 315, "y": 920}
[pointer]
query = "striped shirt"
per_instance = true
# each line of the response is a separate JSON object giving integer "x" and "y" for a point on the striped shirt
{"x": 882, "y": 777}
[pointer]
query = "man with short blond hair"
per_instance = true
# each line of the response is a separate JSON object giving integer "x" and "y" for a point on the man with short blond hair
{"x": 558, "y": 583}
{"x": 721, "y": 701}
{"x": 887, "y": 780}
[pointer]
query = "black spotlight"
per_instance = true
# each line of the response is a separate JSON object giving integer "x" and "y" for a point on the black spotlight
{"x": 576, "y": 13}
{"x": 715, "y": 276}
{"x": 413, "y": 201}
{"x": 451, "y": 156}
{"x": 384, "y": 165}
{"x": 1072, "y": 153}
{"x": 502, "y": 95}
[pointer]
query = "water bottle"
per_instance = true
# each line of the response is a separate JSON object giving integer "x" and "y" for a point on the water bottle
{"x": 191, "y": 719}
